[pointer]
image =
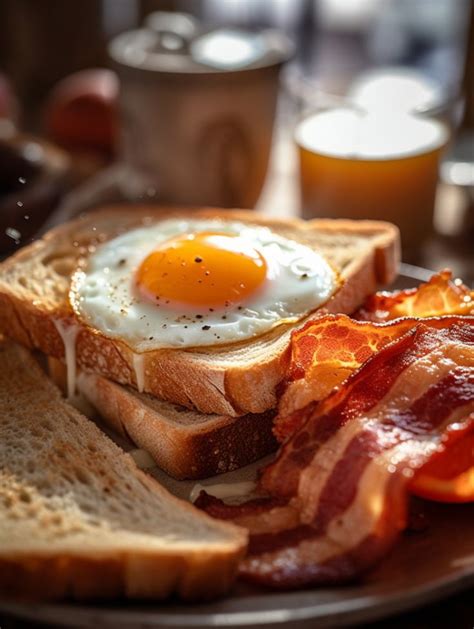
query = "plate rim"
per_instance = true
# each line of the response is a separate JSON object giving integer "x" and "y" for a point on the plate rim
{"x": 360, "y": 610}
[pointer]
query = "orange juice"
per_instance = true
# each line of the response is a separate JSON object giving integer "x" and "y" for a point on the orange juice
{"x": 356, "y": 164}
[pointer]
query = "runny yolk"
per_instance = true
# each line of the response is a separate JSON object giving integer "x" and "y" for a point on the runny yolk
{"x": 205, "y": 269}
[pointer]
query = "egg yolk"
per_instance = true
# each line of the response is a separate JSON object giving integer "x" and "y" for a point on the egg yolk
{"x": 205, "y": 269}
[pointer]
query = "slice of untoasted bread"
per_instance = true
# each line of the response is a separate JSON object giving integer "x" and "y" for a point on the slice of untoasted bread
{"x": 79, "y": 519}
{"x": 230, "y": 379}
{"x": 185, "y": 444}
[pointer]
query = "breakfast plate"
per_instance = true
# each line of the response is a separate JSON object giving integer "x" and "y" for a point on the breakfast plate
{"x": 431, "y": 562}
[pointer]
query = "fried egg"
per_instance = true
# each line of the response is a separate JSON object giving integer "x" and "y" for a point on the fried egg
{"x": 188, "y": 283}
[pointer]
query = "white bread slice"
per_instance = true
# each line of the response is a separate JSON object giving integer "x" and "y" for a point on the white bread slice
{"x": 185, "y": 444}
{"x": 79, "y": 519}
{"x": 232, "y": 379}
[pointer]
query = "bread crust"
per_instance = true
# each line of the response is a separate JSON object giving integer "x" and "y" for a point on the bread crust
{"x": 228, "y": 380}
{"x": 44, "y": 559}
{"x": 198, "y": 577}
{"x": 206, "y": 446}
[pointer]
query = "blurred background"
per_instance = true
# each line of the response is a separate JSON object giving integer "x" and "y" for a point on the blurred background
{"x": 336, "y": 108}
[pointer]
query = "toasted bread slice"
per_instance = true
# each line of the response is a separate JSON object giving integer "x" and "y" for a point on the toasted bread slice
{"x": 79, "y": 519}
{"x": 185, "y": 444}
{"x": 230, "y": 379}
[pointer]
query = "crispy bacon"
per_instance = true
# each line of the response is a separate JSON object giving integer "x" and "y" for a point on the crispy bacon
{"x": 441, "y": 295}
{"x": 323, "y": 355}
{"x": 337, "y": 493}
{"x": 327, "y": 350}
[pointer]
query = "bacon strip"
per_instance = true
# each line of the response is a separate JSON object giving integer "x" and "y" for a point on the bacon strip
{"x": 323, "y": 355}
{"x": 441, "y": 295}
{"x": 338, "y": 489}
{"x": 327, "y": 350}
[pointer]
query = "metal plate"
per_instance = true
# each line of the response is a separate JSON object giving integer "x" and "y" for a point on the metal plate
{"x": 423, "y": 567}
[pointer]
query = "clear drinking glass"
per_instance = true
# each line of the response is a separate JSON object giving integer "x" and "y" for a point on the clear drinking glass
{"x": 374, "y": 152}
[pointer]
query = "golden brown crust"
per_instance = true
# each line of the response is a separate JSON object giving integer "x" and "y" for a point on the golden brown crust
{"x": 230, "y": 380}
{"x": 79, "y": 520}
{"x": 199, "y": 576}
{"x": 198, "y": 447}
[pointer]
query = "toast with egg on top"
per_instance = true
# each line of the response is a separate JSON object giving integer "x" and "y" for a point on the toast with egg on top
{"x": 231, "y": 378}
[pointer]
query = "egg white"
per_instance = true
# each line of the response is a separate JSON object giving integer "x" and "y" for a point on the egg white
{"x": 103, "y": 295}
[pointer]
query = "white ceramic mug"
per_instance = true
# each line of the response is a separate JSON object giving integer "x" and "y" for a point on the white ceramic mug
{"x": 199, "y": 135}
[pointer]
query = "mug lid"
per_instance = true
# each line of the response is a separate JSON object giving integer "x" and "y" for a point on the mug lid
{"x": 216, "y": 51}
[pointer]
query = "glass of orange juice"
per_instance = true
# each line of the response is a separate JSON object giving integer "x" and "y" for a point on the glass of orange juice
{"x": 374, "y": 151}
{"x": 362, "y": 164}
